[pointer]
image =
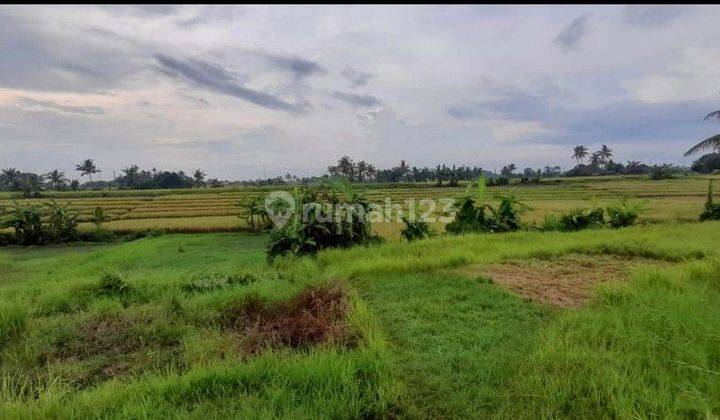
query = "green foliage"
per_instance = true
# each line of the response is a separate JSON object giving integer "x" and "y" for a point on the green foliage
{"x": 112, "y": 284}
{"x": 99, "y": 217}
{"x": 551, "y": 222}
{"x": 36, "y": 224}
{"x": 624, "y": 213}
{"x": 579, "y": 219}
{"x": 27, "y": 221}
{"x": 712, "y": 210}
{"x": 474, "y": 216}
{"x": 98, "y": 235}
{"x": 254, "y": 213}
{"x": 416, "y": 228}
{"x": 312, "y": 226}
{"x": 664, "y": 171}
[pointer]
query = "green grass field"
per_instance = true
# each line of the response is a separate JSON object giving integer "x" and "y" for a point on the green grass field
{"x": 215, "y": 210}
{"x": 431, "y": 334}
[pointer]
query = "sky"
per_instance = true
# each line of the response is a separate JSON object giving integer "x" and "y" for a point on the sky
{"x": 243, "y": 92}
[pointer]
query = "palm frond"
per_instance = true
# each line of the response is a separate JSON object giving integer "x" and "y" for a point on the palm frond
{"x": 709, "y": 143}
{"x": 714, "y": 114}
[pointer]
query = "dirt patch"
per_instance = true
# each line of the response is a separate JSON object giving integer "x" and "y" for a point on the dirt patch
{"x": 567, "y": 280}
{"x": 314, "y": 316}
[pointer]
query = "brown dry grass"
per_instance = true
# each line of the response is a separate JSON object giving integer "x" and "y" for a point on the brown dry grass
{"x": 567, "y": 280}
{"x": 315, "y": 316}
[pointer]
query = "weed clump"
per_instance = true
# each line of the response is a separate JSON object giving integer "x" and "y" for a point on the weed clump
{"x": 214, "y": 281}
{"x": 416, "y": 228}
{"x": 624, "y": 213}
{"x": 315, "y": 316}
{"x": 112, "y": 284}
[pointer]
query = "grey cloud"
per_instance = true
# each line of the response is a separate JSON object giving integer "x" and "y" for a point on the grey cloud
{"x": 509, "y": 104}
{"x": 52, "y": 105}
{"x": 652, "y": 16}
{"x": 356, "y": 100}
{"x": 300, "y": 68}
{"x": 570, "y": 37}
{"x": 357, "y": 78}
{"x": 142, "y": 10}
{"x": 217, "y": 79}
{"x": 31, "y": 58}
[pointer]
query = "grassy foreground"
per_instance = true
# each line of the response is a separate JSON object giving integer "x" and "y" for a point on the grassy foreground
{"x": 433, "y": 340}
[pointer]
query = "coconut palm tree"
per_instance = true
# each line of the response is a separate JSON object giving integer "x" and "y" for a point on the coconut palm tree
{"x": 605, "y": 152}
{"x": 87, "y": 167}
{"x": 710, "y": 142}
{"x": 56, "y": 179}
{"x": 580, "y": 153}
{"x": 11, "y": 178}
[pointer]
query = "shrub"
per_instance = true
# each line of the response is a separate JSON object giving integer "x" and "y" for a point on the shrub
{"x": 712, "y": 210}
{"x": 416, "y": 228}
{"x": 664, "y": 171}
{"x": 579, "y": 219}
{"x": 312, "y": 227}
{"x": 624, "y": 213}
{"x": 98, "y": 235}
{"x": 255, "y": 214}
{"x": 472, "y": 216}
{"x": 111, "y": 284}
{"x": 551, "y": 222}
{"x": 40, "y": 224}
{"x": 62, "y": 225}
{"x": 27, "y": 222}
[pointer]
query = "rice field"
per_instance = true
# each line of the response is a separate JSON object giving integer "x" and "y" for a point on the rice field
{"x": 216, "y": 210}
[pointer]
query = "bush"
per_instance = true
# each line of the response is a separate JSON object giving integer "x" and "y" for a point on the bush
{"x": 551, "y": 222}
{"x": 664, "y": 171}
{"x": 471, "y": 216}
{"x": 624, "y": 213}
{"x": 111, "y": 284}
{"x": 35, "y": 224}
{"x": 579, "y": 219}
{"x": 416, "y": 228}
{"x": 712, "y": 210}
{"x": 312, "y": 227}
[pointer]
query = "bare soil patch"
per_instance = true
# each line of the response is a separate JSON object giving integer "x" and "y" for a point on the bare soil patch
{"x": 315, "y": 316}
{"x": 567, "y": 280}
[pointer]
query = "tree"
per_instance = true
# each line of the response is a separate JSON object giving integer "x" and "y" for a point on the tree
{"x": 580, "y": 153}
{"x": 710, "y": 142}
{"x": 605, "y": 152}
{"x": 31, "y": 185}
{"x": 707, "y": 163}
{"x": 131, "y": 173}
{"x": 508, "y": 170}
{"x": 56, "y": 179}
{"x": 87, "y": 167}
{"x": 11, "y": 178}
{"x": 199, "y": 177}
{"x": 361, "y": 170}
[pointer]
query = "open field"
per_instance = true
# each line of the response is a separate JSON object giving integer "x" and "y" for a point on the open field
{"x": 188, "y": 326}
{"x": 215, "y": 210}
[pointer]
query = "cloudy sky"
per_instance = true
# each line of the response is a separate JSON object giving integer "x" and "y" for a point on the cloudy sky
{"x": 234, "y": 89}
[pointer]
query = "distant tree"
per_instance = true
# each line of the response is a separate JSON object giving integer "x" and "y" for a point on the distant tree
{"x": 31, "y": 185}
{"x": 580, "y": 153}
{"x": 10, "y": 178}
{"x": 199, "y": 177}
{"x": 707, "y": 163}
{"x": 87, "y": 167}
{"x": 56, "y": 179}
{"x": 361, "y": 170}
{"x": 131, "y": 173}
{"x": 508, "y": 171}
{"x": 605, "y": 152}
{"x": 712, "y": 143}
{"x": 74, "y": 184}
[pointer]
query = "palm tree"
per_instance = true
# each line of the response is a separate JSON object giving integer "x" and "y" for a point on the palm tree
{"x": 200, "y": 177}
{"x": 605, "y": 152}
{"x": 131, "y": 174}
{"x": 710, "y": 142}
{"x": 580, "y": 153}
{"x": 10, "y": 177}
{"x": 87, "y": 167}
{"x": 56, "y": 179}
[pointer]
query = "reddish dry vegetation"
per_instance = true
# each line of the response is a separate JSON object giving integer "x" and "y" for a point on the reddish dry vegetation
{"x": 316, "y": 315}
{"x": 563, "y": 281}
